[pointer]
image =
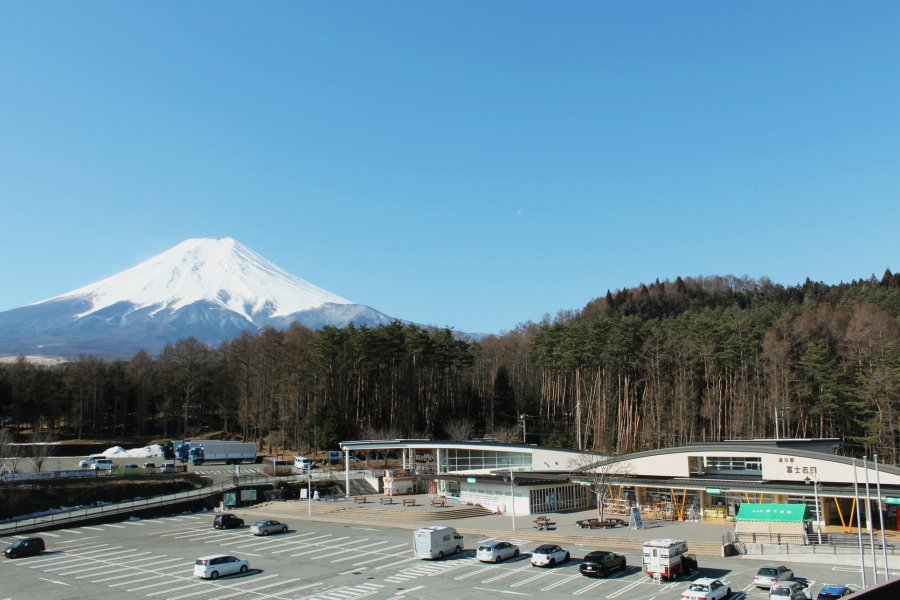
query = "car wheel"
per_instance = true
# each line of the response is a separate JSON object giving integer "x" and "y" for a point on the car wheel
{"x": 499, "y": 559}
{"x": 441, "y": 554}
{"x": 265, "y": 532}
{"x": 243, "y": 568}
{"x": 567, "y": 556}
{"x": 604, "y": 572}
{"x": 515, "y": 554}
{"x": 458, "y": 550}
{"x": 214, "y": 575}
{"x": 552, "y": 562}
{"x": 284, "y": 530}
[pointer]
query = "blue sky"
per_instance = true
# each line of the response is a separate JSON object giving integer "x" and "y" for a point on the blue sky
{"x": 466, "y": 164}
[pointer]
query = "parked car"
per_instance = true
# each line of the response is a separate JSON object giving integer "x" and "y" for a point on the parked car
{"x": 772, "y": 574}
{"x": 85, "y": 463}
{"x": 149, "y": 465}
{"x": 131, "y": 466}
{"x": 790, "y": 590}
{"x": 547, "y": 555}
{"x": 267, "y": 527}
{"x": 707, "y": 588}
{"x": 227, "y": 521}
{"x": 833, "y": 590}
{"x": 600, "y": 563}
{"x": 25, "y": 547}
{"x": 102, "y": 464}
{"x": 496, "y": 551}
{"x": 217, "y": 565}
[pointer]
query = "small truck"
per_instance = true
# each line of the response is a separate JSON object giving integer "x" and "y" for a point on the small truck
{"x": 667, "y": 559}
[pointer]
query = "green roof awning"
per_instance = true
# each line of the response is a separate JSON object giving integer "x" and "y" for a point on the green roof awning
{"x": 782, "y": 513}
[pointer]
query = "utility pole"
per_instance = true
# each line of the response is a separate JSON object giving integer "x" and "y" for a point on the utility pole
{"x": 522, "y": 417}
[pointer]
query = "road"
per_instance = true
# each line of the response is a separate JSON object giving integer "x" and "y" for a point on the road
{"x": 153, "y": 559}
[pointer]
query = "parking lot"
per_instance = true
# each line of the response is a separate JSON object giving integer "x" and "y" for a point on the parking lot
{"x": 154, "y": 559}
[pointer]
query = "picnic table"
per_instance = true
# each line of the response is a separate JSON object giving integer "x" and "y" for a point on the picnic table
{"x": 409, "y": 502}
{"x": 541, "y": 523}
{"x": 360, "y": 499}
{"x": 600, "y": 523}
{"x": 387, "y": 500}
{"x": 439, "y": 501}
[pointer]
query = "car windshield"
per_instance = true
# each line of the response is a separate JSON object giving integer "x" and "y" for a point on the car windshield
{"x": 781, "y": 591}
{"x": 698, "y": 587}
{"x": 768, "y": 572}
{"x": 201, "y": 561}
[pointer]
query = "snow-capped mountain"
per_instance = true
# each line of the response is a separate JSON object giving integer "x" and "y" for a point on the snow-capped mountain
{"x": 211, "y": 289}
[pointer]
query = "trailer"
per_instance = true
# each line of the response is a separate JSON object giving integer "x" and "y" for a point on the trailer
{"x": 437, "y": 542}
{"x": 667, "y": 559}
{"x": 228, "y": 452}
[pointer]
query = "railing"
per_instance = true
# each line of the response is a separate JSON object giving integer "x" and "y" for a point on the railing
{"x": 830, "y": 542}
{"x": 132, "y": 506}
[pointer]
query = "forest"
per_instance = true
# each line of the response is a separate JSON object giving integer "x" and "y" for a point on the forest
{"x": 692, "y": 360}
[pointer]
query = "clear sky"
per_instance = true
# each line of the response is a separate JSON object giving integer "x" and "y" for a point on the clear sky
{"x": 467, "y": 164}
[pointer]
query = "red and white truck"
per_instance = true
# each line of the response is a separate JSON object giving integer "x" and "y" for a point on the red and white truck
{"x": 667, "y": 559}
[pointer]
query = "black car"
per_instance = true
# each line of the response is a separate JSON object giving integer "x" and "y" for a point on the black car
{"x": 25, "y": 547}
{"x": 227, "y": 521}
{"x": 600, "y": 563}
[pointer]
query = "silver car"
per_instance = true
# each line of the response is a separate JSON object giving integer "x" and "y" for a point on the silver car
{"x": 496, "y": 551}
{"x": 267, "y": 527}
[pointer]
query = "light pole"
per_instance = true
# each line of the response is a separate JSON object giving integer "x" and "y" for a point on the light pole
{"x": 523, "y": 417}
{"x": 308, "y": 492}
{"x": 512, "y": 496}
{"x": 815, "y": 482}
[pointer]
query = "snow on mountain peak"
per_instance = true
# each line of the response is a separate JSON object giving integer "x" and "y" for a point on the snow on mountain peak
{"x": 222, "y": 271}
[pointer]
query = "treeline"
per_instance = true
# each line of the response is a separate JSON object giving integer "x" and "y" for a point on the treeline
{"x": 697, "y": 359}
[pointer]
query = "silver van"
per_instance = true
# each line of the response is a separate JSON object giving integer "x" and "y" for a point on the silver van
{"x": 105, "y": 464}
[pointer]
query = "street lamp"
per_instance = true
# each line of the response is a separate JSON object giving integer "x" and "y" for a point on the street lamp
{"x": 815, "y": 482}
{"x": 308, "y": 492}
{"x": 512, "y": 496}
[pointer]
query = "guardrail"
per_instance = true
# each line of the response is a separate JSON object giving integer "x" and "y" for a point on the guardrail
{"x": 131, "y": 506}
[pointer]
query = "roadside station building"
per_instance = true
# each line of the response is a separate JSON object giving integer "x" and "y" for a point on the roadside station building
{"x": 700, "y": 481}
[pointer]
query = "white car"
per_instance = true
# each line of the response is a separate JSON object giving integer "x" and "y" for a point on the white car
{"x": 496, "y": 551}
{"x": 707, "y": 588}
{"x": 216, "y": 565}
{"x": 548, "y": 555}
{"x": 86, "y": 462}
{"x": 790, "y": 590}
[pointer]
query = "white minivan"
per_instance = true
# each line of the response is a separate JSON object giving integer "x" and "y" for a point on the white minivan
{"x": 302, "y": 463}
{"x": 105, "y": 464}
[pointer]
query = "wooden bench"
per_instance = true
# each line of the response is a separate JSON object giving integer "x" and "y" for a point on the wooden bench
{"x": 387, "y": 500}
{"x": 541, "y": 523}
{"x": 360, "y": 499}
{"x": 439, "y": 501}
{"x": 409, "y": 502}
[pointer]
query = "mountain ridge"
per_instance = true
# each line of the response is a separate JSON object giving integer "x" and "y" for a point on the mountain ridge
{"x": 208, "y": 288}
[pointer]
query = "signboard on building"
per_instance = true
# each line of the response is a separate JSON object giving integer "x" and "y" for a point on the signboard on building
{"x": 248, "y": 495}
{"x": 229, "y": 499}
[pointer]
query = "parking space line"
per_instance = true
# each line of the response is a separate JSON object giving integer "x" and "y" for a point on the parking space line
{"x": 167, "y": 581}
{"x": 79, "y": 540}
{"x": 368, "y": 546}
{"x": 566, "y": 579}
{"x": 589, "y": 587}
{"x": 303, "y": 541}
{"x": 507, "y": 573}
{"x": 92, "y": 528}
{"x": 625, "y": 589}
{"x": 154, "y": 576}
{"x": 182, "y": 586}
{"x": 314, "y": 550}
{"x": 530, "y": 579}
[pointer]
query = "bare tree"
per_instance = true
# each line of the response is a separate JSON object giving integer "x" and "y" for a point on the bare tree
{"x": 42, "y": 448}
{"x": 460, "y": 429}
{"x": 600, "y": 473}
{"x": 507, "y": 435}
{"x": 6, "y": 447}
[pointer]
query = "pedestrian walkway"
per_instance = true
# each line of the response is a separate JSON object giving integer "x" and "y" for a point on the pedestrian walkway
{"x": 703, "y": 538}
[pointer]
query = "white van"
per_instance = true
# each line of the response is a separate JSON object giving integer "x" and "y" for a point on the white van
{"x": 105, "y": 464}
{"x": 302, "y": 463}
{"x": 437, "y": 542}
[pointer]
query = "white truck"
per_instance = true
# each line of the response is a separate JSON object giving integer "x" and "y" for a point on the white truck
{"x": 437, "y": 542}
{"x": 226, "y": 451}
{"x": 667, "y": 559}
{"x": 301, "y": 463}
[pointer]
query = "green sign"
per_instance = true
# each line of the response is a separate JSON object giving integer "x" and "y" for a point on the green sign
{"x": 585, "y": 483}
{"x": 470, "y": 480}
{"x": 714, "y": 491}
{"x": 892, "y": 499}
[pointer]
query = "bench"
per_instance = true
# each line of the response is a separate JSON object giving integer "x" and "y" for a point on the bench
{"x": 387, "y": 500}
{"x": 409, "y": 502}
{"x": 541, "y": 523}
{"x": 360, "y": 499}
{"x": 439, "y": 501}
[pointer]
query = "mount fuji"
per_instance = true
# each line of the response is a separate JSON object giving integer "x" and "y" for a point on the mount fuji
{"x": 211, "y": 289}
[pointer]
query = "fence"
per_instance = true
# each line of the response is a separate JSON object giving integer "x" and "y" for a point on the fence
{"x": 131, "y": 506}
{"x": 781, "y": 543}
